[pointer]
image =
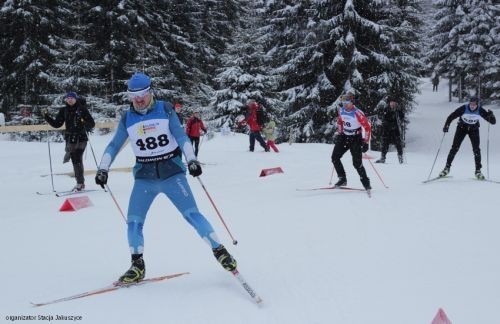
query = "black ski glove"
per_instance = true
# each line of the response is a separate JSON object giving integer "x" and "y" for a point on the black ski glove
{"x": 101, "y": 178}
{"x": 445, "y": 129}
{"x": 194, "y": 168}
{"x": 364, "y": 147}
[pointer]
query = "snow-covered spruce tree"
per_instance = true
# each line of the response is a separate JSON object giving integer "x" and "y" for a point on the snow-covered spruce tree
{"x": 444, "y": 45}
{"x": 297, "y": 66}
{"x": 341, "y": 46}
{"x": 131, "y": 36}
{"x": 211, "y": 29}
{"x": 492, "y": 73}
{"x": 400, "y": 30}
{"x": 478, "y": 57}
{"x": 199, "y": 32}
{"x": 30, "y": 39}
{"x": 243, "y": 75}
{"x": 357, "y": 51}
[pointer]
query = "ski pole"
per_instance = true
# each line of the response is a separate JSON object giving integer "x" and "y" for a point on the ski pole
{"x": 402, "y": 129}
{"x": 50, "y": 163}
{"x": 488, "y": 153}
{"x": 331, "y": 177}
{"x": 92, "y": 150}
{"x": 218, "y": 213}
{"x": 376, "y": 172}
{"x": 106, "y": 185}
{"x": 439, "y": 149}
{"x": 201, "y": 142}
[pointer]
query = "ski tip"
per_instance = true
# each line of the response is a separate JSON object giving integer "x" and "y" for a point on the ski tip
{"x": 35, "y": 304}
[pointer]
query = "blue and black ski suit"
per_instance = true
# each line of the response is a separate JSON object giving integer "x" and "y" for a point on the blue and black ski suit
{"x": 158, "y": 140}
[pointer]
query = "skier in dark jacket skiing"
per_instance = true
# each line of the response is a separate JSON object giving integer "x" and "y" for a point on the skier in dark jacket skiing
{"x": 157, "y": 140}
{"x": 78, "y": 121}
{"x": 392, "y": 119}
{"x": 349, "y": 124}
{"x": 468, "y": 124}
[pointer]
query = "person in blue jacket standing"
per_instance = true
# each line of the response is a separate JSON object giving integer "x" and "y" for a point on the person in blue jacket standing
{"x": 158, "y": 140}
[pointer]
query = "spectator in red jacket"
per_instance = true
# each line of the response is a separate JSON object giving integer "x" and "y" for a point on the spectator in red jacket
{"x": 194, "y": 127}
{"x": 253, "y": 118}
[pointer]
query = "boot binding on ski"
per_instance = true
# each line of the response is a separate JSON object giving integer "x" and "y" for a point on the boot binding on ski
{"x": 135, "y": 273}
{"x": 79, "y": 187}
{"x": 341, "y": 183}
{"x": 445, "y": 172}
{"x": 224, "y": 258}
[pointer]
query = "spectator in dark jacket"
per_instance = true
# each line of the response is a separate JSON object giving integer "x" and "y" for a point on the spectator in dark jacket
{"x": 78, "y": 122}
{"x": 392, "y": 129}
{"x": 435, "y": 83}
{"x": 254, "y": 111}
{"x": 468, "y": 124}
{"x": 194, "y": 127}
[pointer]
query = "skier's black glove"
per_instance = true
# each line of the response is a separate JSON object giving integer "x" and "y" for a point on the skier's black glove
{"x": 490, "y": 113}
{"x": 101, "y": 178}
{"x": 445, "y": 129}
{"x": 194, "y": 168}
{"x": 364, "y": 147}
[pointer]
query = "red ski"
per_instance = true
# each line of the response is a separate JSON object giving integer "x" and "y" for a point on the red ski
{"x": 110, "y": 288}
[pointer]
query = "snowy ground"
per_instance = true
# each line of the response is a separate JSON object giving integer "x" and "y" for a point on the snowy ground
{"x": 314, "y": 257}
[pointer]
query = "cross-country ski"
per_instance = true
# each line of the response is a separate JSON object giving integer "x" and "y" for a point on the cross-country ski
{"x": 331, "y": 188}
{"x": 436, "y": 178}
{"x": 66, "y": 192}
{"x": 108, "y": 289}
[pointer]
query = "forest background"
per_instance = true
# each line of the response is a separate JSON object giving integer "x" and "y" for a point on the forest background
{"x": 296, "y": 58}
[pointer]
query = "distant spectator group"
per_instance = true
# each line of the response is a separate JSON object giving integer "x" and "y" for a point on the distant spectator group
{"x": 257, "y": 120}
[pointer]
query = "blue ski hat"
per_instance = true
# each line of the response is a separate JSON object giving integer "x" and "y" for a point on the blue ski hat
{"x": 71, "y": 94}
{"x": 138, "y": 82}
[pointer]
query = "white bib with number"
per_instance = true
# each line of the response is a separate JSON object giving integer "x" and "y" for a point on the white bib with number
{"x": 151, "y": 139}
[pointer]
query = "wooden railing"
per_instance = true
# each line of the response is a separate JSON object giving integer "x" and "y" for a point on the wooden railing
{"x": 45, "y": 127}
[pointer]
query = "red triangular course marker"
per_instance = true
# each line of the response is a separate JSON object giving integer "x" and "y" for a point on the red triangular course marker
{"x": 75, "y": 203}
{"x": 441, "y": 318}
{"x": 266, "y": 172}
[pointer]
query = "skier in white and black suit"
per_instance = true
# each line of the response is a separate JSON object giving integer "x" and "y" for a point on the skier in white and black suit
{"x": 349, "y": 123}
{"x": 468, "y": 124}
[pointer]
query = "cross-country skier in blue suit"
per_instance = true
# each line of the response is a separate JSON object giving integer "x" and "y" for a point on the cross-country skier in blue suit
{"x": 158, "y": 140}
